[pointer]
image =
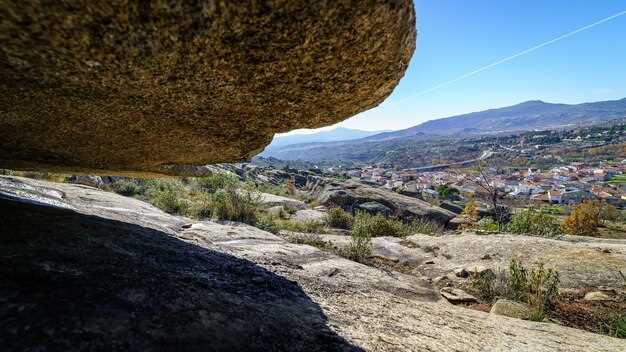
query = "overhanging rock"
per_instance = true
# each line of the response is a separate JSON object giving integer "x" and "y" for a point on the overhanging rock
{"x": 149, "y": 87}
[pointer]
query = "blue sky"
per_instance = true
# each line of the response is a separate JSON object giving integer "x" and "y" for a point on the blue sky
{"x": 456, "y": 37}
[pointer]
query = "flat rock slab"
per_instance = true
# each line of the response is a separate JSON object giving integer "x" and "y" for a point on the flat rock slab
{"x": 309, "y": 215}
{"x": 351, "y": 194}
{"x": 580, "y": 262}
{"x": 455, "y": 295}
{"x": 106, "y": 271}
{"x": 268, "y": 200}
{"x": 151, "y": 87}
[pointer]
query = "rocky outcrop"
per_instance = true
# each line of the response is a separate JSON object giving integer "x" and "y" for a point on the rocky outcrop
{"x": 83, "y": 269}
{"x": 456, "y": 296}
{"x": 147, "y": 87}
{"x": 580, "y": 262}
{"x": 268, "y": 200}
{"x": 309, "y": 215}
{"x": 351, "y": 194}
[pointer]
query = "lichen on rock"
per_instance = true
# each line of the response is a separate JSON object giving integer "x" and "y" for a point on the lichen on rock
{"x": 97, "y": 86}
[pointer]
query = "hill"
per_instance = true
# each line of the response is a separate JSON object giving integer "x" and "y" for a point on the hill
{"x": 527, "y": 116}
{"x": 530, "y": 115}
{"x": 336, "y": 134}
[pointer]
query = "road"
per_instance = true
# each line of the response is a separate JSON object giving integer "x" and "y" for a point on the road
{"x": 486, "y": 154}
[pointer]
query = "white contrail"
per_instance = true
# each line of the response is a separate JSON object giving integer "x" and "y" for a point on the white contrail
{"x": 509, "y": 58}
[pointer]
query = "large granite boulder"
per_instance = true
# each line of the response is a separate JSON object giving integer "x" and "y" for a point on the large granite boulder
{"x": 268, "y": 200}
{"x": 113, "y": 86}
{"x": 350, "y": 195}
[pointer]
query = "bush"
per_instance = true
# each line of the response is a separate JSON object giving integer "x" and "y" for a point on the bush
{"x": 360, "y": 246}
{"x": 201, "y": 207}
{"x": 166, "y": 195}
{"x": 217, "y": 181}
{"x": 487, "y": 224}
{"x": 610, "y": 213}
{"x": 267, "y": 223}
{"x": 536, "y": 223}
{"x": 447, "y": 192}
{"x": 618, "y": 328}
{"x": 424, "y": 226}
{"x": 338, "y": 218}
{"x": 538, "y": 288}
{"x": 517, "y": 280}
{"x": 489, "y": 285}
{"x": 470, "y": 212}
{"x": 584, "y": 220}
{"x": 541, "y": 289}
{"x": 232, "y": 205}
{"x": 311, "y": 239}
{"x": 126, "y": 188}
{"x": 377, "y": 225}
{"x": 304, "y": 227}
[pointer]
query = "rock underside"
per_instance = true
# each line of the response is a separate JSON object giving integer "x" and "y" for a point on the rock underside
{"x": 152, "y": 87}
{"x": 84, "y": 269}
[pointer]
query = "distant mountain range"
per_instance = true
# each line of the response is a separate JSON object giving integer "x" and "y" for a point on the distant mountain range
{"x": 530, "y": 115}
{"x": 336, "y": 134}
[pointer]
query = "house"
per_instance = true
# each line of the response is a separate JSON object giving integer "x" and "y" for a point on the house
{"x": 574, "y": 195}
{"x": 540, "y": 197}
{"x": 554, "y": 197}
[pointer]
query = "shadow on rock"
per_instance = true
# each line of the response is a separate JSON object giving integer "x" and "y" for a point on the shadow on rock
{"x": 77, "y": 282}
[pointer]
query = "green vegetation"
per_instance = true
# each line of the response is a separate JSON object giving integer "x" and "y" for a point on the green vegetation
{"x": 360, "y": 246}
{"x": 217, "y": 196}
{"x": 533, "y": 222}
{"x": 487, "y": 225}
{"x": 618, "y": 328}
{"x": 235, "y": 205}
{"x": 216, "y": 181}
{"x": 537, "y": 287}
{"x": 304, "y": 227}
{"x": 311, "y": 239}
{"x": 554, "y": 209}
{"x": 339, "y": 218}
{"x": 166, "y": 195}
{"x": 127, "y": 187}
{"x": 447, "y": 192}
{"x": 379, "y": 225}
{"x": 541, "y": 288}
{"x": 618, "y": 179}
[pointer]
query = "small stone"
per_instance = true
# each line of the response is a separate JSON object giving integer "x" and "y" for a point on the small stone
{"x": 277, "y": 210}
{"x": 429, "y": 262}
{"x": 457, "y": 222}
{"x": 461, "y": 272}
{"x": 511, "y": 309}
{"x": 441, "y": 281}
{"x": 597, "y": 296}
{"x": 486, "y": 257}
{"x": 456, "y": 295}
{"x": 480, "y": 270}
